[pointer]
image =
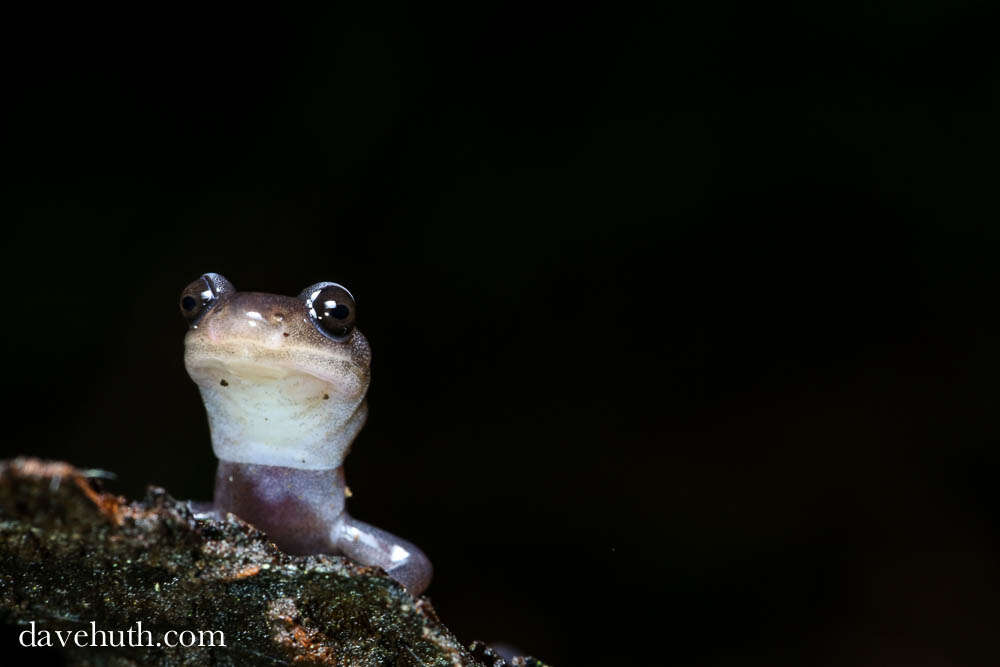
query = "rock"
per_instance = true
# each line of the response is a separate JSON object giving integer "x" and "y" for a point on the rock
{"x": 79, "y": 560}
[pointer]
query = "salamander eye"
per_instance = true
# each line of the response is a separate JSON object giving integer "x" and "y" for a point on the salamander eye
{"x": 202, "y": 294}
{"x": 331, "y": 307}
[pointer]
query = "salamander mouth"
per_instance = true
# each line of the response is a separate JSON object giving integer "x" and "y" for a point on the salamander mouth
{"x": 336, "y": 377}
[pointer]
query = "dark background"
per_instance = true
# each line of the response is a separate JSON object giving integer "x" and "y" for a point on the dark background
{"x": 684, "y": 321}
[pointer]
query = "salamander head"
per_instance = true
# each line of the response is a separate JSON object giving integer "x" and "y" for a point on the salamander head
{"x": 283, "y": 379}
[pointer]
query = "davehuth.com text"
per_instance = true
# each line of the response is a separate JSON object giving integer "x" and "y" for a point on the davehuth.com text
{"x": 134, "y": 636}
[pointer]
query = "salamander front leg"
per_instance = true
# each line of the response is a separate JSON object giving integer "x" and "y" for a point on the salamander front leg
{"x": 369, "y": 545}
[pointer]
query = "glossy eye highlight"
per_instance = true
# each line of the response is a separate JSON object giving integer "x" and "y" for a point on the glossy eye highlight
{"x": 198, "y": 297}
{"x": 331, "y": 307}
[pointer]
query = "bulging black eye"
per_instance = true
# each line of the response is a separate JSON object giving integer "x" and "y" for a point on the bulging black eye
{"x": 202, "y": 294}
{"x": 332, "y": 308}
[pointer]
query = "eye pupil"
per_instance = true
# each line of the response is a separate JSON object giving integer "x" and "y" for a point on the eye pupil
{"x": 202, "y": 295}
{"x": 332, "y": 308}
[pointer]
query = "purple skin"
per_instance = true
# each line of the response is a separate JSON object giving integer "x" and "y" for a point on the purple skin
{"x": 303, "y": 512}
{"x": 283, "y": 381}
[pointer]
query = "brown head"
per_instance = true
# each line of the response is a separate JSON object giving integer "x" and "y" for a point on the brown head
{"x": 283, "y": 378}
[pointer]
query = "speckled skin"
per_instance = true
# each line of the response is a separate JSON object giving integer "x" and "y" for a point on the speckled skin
{"x": 285, "y": 401}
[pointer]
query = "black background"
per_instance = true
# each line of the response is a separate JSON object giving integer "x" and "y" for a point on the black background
{"x": 684, "y": 320}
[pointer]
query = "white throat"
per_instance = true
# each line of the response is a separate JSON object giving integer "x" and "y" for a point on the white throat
{"x": 280, "y": 418}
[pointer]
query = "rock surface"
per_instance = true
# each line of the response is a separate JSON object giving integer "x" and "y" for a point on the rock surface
{"x": 71, "y": 554}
